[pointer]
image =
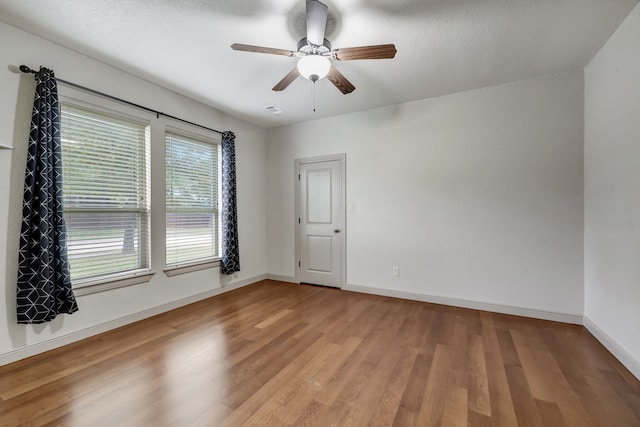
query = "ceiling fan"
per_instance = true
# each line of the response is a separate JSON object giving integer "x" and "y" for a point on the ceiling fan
{"x": 315, "y": 52}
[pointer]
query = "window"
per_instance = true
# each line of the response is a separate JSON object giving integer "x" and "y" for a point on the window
{"x": 106, "y": 192}
{"x": 191, "y": 199}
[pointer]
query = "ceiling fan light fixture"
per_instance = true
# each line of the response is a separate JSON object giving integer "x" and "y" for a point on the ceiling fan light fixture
{"x": 314, "y": 67}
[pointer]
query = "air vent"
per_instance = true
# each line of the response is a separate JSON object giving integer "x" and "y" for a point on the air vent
{"x": 273, "y": 109}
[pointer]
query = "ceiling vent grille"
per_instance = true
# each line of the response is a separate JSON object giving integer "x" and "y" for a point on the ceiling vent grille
{"x": 273, "y": 109}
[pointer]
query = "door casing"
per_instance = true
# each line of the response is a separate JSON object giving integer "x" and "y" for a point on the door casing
{"x": 342, "y": 158}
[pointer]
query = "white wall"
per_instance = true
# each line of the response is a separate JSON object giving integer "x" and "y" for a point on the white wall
{"x": 108, "y": 309}
{"x": 612, "y": 193}
{"x": 476, "y": 196}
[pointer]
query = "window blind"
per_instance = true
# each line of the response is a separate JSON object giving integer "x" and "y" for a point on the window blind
{"x": 106, "y": 192}
{"x": 191, "y": 199}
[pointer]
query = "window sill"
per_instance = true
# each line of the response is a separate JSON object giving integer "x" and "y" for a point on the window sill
{"x": 188, "y": 268}
{"x": 105, "y": 284}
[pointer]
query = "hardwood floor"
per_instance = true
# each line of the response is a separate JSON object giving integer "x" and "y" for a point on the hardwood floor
{"x": 278, "y": 354}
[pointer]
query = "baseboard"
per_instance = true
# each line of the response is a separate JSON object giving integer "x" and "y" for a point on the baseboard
{"x": 623, "y": 356}
{"x": 280, "y": 278}
{"x": 50, "y": 344}
{"x": 477, "y": 305}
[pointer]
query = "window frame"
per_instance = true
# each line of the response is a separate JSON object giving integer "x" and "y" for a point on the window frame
{"x": 205, "y": 137}
{"x": 83, "y": 100}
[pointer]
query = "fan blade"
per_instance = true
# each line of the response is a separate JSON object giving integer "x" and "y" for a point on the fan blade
{"x": 260, "y": 49}
{"x": 316, "y": 22}
{"x": 340, "y": 81}
{"x": 381, "y": 51}
{"x": 287, "y": 80}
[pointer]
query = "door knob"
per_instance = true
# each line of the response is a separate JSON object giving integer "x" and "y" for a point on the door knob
{"x": 337, "y": 230}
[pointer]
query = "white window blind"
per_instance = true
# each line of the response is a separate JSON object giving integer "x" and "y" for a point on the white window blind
{"x": 191, "y": 199}
{"x": 106, "y": 192}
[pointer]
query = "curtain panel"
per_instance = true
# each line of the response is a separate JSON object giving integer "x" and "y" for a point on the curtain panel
{"x": 44, "y": 283}
{"x": 230, "y": 252}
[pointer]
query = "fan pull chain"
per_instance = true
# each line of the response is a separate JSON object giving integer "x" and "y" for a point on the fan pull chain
{"x": 314, "y": 96}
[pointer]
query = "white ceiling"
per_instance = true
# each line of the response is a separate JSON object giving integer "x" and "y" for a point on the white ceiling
{"x": 444, "y": 46}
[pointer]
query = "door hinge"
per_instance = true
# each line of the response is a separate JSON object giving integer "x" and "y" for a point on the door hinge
{"x": 298, "y": 220}
{"x": 298, "y": 264}
{"x": 298, "y": 177}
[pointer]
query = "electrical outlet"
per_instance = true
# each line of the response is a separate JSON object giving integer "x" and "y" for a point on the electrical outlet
{"x": 396, "y": 271}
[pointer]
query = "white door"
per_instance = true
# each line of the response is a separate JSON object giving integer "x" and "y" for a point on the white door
{"x": 321, "y": 222}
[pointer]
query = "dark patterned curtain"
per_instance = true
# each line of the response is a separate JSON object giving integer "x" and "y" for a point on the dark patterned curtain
{"x": 44, "y": 284}
{"x": 230, "y": 252}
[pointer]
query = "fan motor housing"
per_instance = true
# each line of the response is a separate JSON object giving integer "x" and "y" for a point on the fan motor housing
{"x": 306, "y": 48}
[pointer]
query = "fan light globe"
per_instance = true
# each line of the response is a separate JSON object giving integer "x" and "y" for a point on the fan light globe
{"x": 314, "y": 67}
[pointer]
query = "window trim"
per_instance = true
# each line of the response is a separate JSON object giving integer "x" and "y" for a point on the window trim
{"x": 81, "y": 99}
{"x": 106, "y": 283}
{"x": 207, "y": 137}
{"x": 185, "y": 268}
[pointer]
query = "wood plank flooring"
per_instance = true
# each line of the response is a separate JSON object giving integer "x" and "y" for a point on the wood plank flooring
{"x": 279, "y": 354}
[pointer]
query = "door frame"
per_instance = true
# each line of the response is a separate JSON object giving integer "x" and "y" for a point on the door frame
{"x": 342, "y": 159}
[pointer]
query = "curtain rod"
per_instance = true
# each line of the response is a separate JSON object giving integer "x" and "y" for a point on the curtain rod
{"x": 28, "y": 70}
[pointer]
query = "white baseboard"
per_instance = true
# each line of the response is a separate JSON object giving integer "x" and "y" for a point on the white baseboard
{"x": 630, "y": 362}
{"x": 477, "y": 305}
{"x": 50, "y": 344}
{"x": 280, "y": 278}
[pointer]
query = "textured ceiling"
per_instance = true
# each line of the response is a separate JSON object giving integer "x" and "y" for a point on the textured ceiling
{"x": 444, "y": 46}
